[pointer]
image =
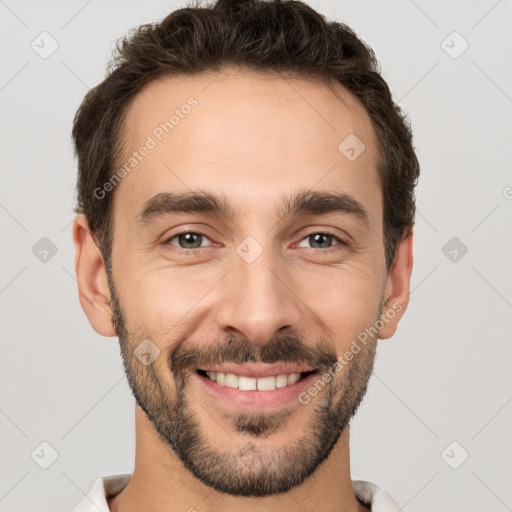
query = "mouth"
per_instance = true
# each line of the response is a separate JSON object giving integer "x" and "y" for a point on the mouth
{"x": 244, "y": 383}
{"x": 257, "y": 386}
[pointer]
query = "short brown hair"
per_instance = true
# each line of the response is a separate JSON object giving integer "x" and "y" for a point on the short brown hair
{"x": 283, "y": 36}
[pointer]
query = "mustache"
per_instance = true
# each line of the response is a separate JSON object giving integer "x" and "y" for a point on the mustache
{"x": 239, "y": 350}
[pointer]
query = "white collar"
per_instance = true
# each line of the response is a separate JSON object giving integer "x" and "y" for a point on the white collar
{"x": 96, "y": 501}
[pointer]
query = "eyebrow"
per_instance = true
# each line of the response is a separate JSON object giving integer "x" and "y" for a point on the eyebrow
{"x": 303, "y": 202}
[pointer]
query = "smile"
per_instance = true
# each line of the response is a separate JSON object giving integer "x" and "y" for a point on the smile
{"x": 255, "y": 385}
{"x": 243, "y": 383}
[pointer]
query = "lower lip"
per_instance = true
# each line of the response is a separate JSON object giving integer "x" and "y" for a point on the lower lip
{"x": 255, "y": 399}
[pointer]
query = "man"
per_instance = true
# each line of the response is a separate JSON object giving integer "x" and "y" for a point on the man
{"x": 245, "y": 213}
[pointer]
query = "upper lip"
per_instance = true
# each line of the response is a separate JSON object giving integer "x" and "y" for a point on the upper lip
{"x": 258, "y": 370}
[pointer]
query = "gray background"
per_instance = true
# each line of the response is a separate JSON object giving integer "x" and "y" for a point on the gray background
{"x": 445, "y": 376}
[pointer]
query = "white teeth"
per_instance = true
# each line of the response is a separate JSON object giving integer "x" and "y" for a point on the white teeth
{"x": 231, "y": 380}
{"x": 281, "y": 381}
{"x": 293, "y": 378}
{"x": 251, "y": 384}
{"x": 246, "y": 383}
{"x": 266, "y": 384}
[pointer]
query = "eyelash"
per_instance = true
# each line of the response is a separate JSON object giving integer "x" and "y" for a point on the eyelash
{"x": 178, "y": 249}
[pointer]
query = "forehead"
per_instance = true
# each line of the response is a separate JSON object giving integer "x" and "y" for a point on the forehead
{"x": 248, "y": 133}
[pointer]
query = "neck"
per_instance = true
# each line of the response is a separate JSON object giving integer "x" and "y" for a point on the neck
{"x": 161, "y": 483}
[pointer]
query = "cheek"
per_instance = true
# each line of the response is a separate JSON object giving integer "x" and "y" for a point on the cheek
{"x": 161, "y": 301}
{"x": 345, "y": 302}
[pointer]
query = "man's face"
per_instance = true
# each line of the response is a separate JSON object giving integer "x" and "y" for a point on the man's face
{"x": 270, "y": 287}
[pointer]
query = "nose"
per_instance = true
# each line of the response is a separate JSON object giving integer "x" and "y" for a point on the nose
{"x": 259, "y": 300}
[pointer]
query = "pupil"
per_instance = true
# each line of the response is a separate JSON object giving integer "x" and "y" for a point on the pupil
{"x": 318, "y": 239}
{"x": 192, "y": 238}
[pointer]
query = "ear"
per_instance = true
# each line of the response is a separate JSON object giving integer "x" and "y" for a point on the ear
{"x": 397, "y": 288}
{"x": 91, "y": 276}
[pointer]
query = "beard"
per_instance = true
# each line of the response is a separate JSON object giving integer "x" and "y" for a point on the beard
{"x": 252, "y": 469}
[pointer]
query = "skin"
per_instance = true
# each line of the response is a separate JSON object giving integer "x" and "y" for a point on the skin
{"x": 254, "y": 137}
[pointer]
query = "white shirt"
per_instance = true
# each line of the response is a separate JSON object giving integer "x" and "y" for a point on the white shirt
{"x": 96, "y": 500}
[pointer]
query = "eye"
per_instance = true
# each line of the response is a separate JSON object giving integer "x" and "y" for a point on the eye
{"x": 322, "y": 240}
{"x": 187, "y": 240}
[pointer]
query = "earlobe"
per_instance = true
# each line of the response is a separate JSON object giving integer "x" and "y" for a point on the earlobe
{"x": 397, "y": 288}
{"x": 93, "y": 291}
